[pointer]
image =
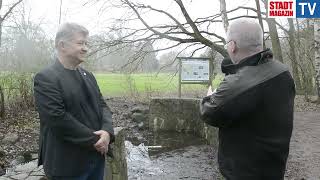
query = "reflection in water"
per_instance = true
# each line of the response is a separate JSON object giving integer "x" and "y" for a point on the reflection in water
{"x": 170, "y": 156}
{"x": 168, "y": 141}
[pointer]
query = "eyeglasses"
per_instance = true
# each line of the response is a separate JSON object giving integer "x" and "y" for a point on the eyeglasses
{"x": 226, "y": 45}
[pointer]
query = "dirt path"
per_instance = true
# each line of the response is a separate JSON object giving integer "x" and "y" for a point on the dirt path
{"x": 304, "y": 157}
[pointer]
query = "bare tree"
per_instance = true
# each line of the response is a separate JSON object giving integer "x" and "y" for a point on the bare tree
{"x": 293, "y": 52}
{"x": 301, "y": 43}
{"x": 3, "y": 18}
{"x": 317, "y": 56}
{"x": 196, "y": 33}
{"x": 191, "y": 33}
{"x": 184, "y": 32}
{"x": 260, "y": 18}
{"x": 60, "y": 11}
{"x": 299, "y": 51}
{"x": 224, "y": 15}
{"x": 2, "y": 109}
{"x": 276, "y": 47}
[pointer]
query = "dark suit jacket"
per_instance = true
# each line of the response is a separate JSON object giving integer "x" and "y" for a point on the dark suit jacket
{"x": 253, "y": 109}
{"x": 67, "y": 140}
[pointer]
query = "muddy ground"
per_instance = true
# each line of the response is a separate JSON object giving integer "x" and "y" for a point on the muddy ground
{"x": 303, "y": 162}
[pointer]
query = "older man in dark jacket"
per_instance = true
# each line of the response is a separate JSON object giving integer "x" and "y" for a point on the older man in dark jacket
{"x": 75, "y": 122}
{"x": 252, "y": 108}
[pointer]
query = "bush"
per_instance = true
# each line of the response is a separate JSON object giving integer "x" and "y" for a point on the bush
{"x": 17, "y": 91}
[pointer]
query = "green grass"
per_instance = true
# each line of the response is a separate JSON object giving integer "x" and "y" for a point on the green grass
{"x": 121, "y": 84}
{"x": 114, "y": 84}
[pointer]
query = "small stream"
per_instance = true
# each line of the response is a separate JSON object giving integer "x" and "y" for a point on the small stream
{"x": 171, "y": 156}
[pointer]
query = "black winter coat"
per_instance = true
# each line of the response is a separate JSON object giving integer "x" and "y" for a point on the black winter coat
{"x": 253, "y": 110}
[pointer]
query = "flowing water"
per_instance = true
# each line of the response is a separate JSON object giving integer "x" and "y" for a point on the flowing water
{"x": 171, "y": 156}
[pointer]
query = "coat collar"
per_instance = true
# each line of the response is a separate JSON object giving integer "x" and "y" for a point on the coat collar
{"x": 58, "y": 65}
{"x": 254, "y": 60}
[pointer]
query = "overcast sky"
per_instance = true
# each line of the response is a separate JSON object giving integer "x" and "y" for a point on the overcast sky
{"x": 99, "y": 15}
{"x": 90, "y": 14}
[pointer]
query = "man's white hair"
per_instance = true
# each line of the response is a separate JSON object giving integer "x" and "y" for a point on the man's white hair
{"x": 247, "y": 34}
{"x": 67, "y": 30}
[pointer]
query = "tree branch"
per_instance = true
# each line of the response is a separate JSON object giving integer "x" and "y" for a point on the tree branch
{"x": 170, "y": 47}
{"x": 188, "y": 18}
{"x": 155, "y": 31}
{"x": 198, "y": 35}
{"x": 194, "y": 51}
{"x": 10, "y": 10}
{"x": 183, "y": 29}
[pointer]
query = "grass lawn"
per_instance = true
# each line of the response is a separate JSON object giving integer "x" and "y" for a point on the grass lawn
{"x": 120, "y": 84}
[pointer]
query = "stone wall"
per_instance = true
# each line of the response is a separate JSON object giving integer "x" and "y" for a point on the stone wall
{"x": 181, "y": 115}
{"x": 116, "y": 168}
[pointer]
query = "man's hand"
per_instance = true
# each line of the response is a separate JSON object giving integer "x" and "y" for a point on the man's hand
{"x": 209, "y": 91}
{"x": 102, "y": 144}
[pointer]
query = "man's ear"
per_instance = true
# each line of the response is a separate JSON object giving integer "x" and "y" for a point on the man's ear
{"x": 233, "y": 47}
{"x": 61, "y": 44}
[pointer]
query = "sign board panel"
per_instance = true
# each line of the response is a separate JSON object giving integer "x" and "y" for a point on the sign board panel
{"x": 194, "y": 70}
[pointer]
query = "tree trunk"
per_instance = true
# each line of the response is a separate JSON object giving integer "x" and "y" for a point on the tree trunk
{"x": 1, "y": 30}
{"x": 224, "y": 15}
{"x": 2, "y": 110}
{"x": 276, "y": 48}
{"x": 304, "y": 82}
{"x": 260, "y": 20}
{"x": 60, "y": 12}
{"x": 1, "y": 20}
{"x": 293, "y": 51}
{"x": 1, "y": 91}
{"x": 317, "y": 55}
